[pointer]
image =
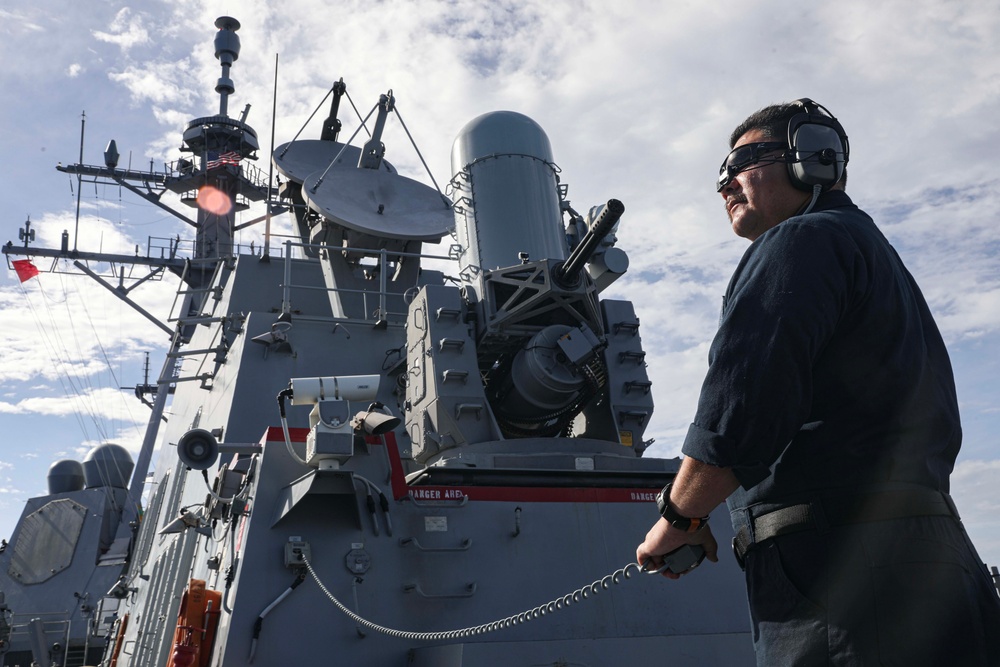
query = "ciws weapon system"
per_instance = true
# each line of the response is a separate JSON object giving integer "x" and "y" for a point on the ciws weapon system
{"x": 375, "y": 454}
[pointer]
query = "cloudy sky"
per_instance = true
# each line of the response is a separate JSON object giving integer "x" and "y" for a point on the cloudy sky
{"x": 638, "y": 98}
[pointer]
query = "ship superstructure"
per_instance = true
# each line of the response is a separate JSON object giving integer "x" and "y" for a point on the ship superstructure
{"x": 362, "y": 424}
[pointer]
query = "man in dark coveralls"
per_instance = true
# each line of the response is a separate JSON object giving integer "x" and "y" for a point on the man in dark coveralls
{"x": 828, "y": 418}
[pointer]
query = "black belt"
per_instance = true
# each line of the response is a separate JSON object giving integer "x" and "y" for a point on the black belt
{"x": 841, "y": 511}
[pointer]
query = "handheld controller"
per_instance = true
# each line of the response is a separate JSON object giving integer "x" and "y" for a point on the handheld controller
{"x": 682, "y": 559}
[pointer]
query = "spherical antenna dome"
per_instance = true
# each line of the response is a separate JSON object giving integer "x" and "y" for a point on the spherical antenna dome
{"x": 108, "y": 465}
{"x": 65, "y": 476}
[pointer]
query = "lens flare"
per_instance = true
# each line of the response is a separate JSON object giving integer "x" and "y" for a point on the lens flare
{"x": 214, "y": 200}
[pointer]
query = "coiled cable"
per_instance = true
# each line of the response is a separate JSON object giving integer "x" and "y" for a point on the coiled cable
{"x": 579, "y": 595}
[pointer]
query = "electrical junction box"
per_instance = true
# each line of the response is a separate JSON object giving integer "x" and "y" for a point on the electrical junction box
{"x": 296, "y": 553}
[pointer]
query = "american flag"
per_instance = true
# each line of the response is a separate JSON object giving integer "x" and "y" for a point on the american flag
{"x": 219, "y": 159}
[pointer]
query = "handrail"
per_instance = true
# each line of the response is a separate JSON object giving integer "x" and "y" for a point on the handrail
{"x": 381, "y": 313}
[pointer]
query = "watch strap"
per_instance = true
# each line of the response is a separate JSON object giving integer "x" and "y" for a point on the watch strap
{"x": 687, "y": 524}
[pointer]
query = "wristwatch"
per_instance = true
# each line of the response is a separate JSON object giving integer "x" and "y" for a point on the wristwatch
{"x": 688, "y": 525}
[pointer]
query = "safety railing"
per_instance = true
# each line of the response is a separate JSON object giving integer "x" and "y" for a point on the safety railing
{"x": 376, "y": 301}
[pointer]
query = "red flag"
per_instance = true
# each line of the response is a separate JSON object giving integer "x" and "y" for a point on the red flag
{"x": 25, "y": 269}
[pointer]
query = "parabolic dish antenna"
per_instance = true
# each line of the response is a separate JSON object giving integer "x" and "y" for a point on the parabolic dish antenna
{"x": 297, "y": 159}
{"x": 380, "y": 204}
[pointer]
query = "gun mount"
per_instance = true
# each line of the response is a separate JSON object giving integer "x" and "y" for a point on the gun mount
{"x": 611, "y": 213}
{"x": 525, "y": 349}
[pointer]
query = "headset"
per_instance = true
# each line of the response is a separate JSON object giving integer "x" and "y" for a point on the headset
{"x": 818, "y": 147}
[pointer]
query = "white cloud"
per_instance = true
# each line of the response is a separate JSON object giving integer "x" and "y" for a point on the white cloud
{"x": 974, "y": 489}
{"x": 127, "y": 30}
{"x": 67, "y": 328}
{"x": 99, "y": 406}
{"x": 157, "y": 83}
{"x": 69, "y": 331}
{"x": 17, "y": 21}
{"x": 979, "y": 482}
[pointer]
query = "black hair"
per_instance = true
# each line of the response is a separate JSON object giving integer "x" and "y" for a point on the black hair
{"x": 771, "y": 120}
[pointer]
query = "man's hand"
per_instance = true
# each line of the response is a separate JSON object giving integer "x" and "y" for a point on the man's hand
{"x": 663, "y": 538}
{"x": 696, "y": 490}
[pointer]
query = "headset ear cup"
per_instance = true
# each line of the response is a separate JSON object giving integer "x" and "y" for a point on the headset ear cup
{"x": 819, "y": 147}
{"x": 818, "y": 155}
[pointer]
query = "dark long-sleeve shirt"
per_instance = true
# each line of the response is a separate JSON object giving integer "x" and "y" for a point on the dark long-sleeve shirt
{"x": 827, "y": 371}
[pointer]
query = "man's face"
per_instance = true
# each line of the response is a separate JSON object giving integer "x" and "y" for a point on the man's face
{"x": 762, "y": 196}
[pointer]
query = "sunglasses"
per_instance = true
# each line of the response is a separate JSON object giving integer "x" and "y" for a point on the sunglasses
{"x": 744, "y": 157}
